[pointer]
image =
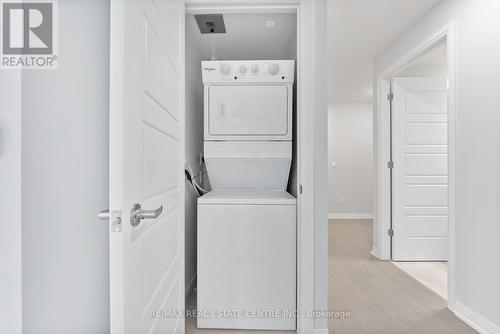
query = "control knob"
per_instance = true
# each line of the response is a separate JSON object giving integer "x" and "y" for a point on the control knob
{"x": 274, "y": 68}
{"x": 225, "y": 68}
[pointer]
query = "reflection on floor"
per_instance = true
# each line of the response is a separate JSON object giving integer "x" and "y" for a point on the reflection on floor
{"x": 381, "y": 298}
{"x": 191, "y": 324}
{"x": 433, "y": 275}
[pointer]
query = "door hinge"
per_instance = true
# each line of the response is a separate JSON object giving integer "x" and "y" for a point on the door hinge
{"x": 390, "y": 96}
{"x": 300, "y": 189}
{"x": 390, "y": 232}
{"x": 390, "y": 164}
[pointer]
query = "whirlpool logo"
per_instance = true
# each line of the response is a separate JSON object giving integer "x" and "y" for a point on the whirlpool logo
{"x": 29, "y": 38}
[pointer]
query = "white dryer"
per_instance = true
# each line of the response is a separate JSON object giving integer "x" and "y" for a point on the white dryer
{"x": 248, "y": 123}
{"x": 247, "y": 223}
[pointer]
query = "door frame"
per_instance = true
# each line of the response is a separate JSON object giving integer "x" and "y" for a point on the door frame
{"x": 382, "y": 221}
{"x": 312, "y": 254}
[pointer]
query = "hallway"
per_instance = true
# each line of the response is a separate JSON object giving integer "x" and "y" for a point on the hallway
{"x": 380, "y": 297}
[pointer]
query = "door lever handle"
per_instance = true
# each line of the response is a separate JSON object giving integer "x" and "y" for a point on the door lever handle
{"x": 137, "y": 214}
{"x": 114, "y": 217}
{"x": 104, "y": 214}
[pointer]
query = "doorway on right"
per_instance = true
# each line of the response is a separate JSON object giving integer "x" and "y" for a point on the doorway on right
{"x": 419, "y": 169}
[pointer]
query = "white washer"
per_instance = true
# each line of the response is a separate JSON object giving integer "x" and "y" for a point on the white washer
{"x": 247, "y": 223}
{"x": 247, "y": 259}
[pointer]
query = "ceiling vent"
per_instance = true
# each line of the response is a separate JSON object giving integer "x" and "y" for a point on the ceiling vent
{"x": 211, "y": 23}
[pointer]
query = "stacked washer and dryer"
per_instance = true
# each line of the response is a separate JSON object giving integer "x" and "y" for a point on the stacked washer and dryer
{"x": 247, "y": 223}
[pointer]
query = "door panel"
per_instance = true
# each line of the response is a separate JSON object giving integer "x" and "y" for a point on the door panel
{"x": 158, "y": 74}
{"x": 161, "y": 151}
{"x": 426, "y": 133}
{"x": 427, "y": 102}
{"x": 420, "y": 182}
{"x": 426, "y": 195}
{"x": 248, "y": 110}
{"x": 426, "y": 164}
{"x": 146, "y": 164}
{"x": 431, "y": 225}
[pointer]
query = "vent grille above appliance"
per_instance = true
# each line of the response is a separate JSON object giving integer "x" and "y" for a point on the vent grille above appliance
{"x": 211, "y": 23}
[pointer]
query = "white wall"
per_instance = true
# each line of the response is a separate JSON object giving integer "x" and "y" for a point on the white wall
{"x": 65, "y": 178}
{"x": 350, "y": 145}
{"x": 10, "y": 203}
{"x": 478, "y": 151}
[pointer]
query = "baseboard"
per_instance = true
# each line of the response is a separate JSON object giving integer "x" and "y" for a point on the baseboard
{"x": 190, "y": 286}
{"x": 350, "y": 216}
{"x": 321, "y": 331}
{"x": 475, "y": 320}
{"x": 374, "y": 252}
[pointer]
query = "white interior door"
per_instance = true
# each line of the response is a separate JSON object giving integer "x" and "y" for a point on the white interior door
{"x": 420, "y": 174}
{"x": 146, "y": 166}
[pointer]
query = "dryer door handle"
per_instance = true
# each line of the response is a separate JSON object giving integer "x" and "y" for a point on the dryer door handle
{"x": 222, "y": 110}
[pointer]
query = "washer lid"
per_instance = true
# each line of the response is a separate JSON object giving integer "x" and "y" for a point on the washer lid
{"x": 248, "y": 197}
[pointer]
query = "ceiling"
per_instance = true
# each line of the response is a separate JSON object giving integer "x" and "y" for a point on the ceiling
{"x": 247, "y": 37}
{"x": 359, "y": 30}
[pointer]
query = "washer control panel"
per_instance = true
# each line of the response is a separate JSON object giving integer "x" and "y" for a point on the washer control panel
{"x": 235, "y": 71}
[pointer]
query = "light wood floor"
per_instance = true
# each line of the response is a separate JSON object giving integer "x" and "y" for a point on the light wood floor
{"x": 381, "y": 298}
{"x": 433, "y": 275}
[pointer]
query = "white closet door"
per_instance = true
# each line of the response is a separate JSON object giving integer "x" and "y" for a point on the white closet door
{"x": 420, "y": 174}
{"x": 147, "y": 166}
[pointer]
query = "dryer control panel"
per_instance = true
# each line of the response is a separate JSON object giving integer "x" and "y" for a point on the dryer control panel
{"x": 244, "y": 71}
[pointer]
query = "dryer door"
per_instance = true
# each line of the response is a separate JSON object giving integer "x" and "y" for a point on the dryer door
{"x": 248, "y": 111}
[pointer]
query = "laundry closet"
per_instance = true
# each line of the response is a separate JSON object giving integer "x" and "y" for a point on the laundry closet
{"x": 241, "y": 170}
